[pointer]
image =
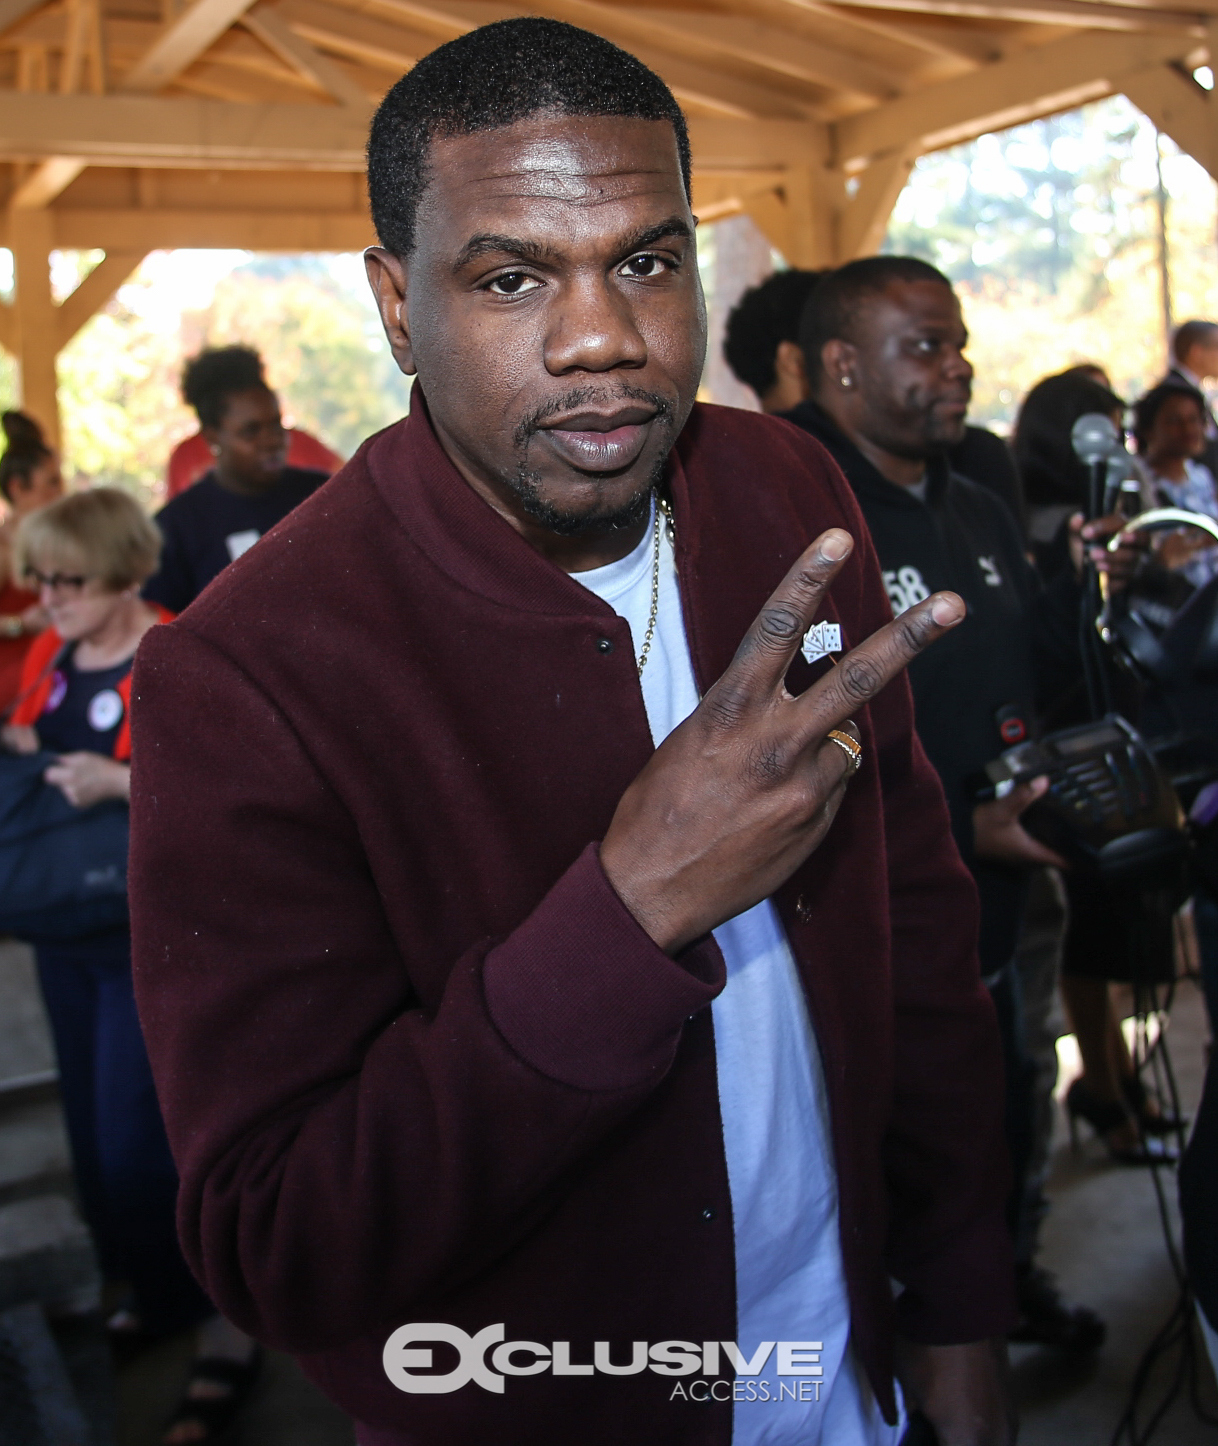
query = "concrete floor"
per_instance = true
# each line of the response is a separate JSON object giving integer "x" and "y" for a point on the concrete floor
{"x": 1103, "y": 1239}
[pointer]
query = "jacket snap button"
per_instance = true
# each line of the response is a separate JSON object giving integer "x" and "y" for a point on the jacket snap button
{"x": 708, "y": 1213}
{"x": 604, "y": 645}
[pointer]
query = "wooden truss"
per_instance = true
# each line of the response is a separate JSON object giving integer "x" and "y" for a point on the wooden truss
{"x": 129, "y": 125}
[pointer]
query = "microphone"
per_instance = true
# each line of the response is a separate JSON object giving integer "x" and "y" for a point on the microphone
{"x": 1096, "y": 441}
{"x": 1094, "y": 438}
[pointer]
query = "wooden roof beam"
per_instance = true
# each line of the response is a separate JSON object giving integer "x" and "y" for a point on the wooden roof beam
{"x": 792, "y": 54}
{"x": 1037, "y": 82}
{"x": 162, "y": 228}
{"x": 114, "y": 130}
{"x": 11, "y": 11}
{"x": 182, "y": 42}
{"x": 267, "y": 25}
{"x": 1179, "y": 107}
{"x": 1086, "y": 14}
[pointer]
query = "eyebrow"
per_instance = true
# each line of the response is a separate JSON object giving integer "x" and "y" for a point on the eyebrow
{"x": 489, "y": 243}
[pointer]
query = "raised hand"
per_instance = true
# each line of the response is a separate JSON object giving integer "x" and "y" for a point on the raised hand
{"x": 738, "y": 796}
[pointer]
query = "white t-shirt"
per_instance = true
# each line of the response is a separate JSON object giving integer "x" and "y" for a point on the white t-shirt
{"x": 790, "y": 1282}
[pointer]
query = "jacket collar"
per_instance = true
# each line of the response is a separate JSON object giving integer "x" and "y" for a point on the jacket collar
{"x": 465, "y": 537}
{"x": 866, "y": 479}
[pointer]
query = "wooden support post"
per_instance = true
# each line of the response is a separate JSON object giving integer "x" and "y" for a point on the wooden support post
{"x": 864, "y": 217}
{"x": 31, "y": 239}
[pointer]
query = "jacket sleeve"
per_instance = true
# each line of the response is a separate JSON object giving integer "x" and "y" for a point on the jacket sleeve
{"x": 303, "y": 1085}
{"x": 945, "y": 1155}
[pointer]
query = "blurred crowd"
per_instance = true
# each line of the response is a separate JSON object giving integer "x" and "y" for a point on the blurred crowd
{"x": 872, "y": 361}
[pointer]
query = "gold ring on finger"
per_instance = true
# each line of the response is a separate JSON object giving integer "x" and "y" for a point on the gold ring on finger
{"x": 852, "y": 748}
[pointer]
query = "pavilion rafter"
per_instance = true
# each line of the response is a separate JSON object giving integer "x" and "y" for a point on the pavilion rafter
{"x": 804, "y": 114}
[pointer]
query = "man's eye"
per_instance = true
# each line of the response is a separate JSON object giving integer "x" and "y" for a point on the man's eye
{"x": 646, "y": 264}
{"x": 513, "y": 283}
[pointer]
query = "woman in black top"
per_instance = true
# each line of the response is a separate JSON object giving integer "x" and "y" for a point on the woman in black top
{"x": 246, "y": 493}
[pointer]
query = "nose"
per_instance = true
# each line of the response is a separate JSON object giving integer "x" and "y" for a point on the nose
{"x": 592, "y": 328}
{"x": 958, "y": 366}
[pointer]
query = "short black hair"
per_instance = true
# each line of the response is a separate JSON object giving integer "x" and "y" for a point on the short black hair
{"x": 25, "y": 450}
{"x": 830, "y": 312}
{"x": 210, "y": 378}
{"x": 1146, "y": 409}
{"x": 1191, "y": 333}
{"x": 764, "y": 316}
{"x": 495, "y": 76}
{"x": 1044, "y": 451}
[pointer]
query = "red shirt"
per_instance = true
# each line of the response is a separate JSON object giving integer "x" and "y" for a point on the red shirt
{"x": 13, "y": 602}
{"x": 193, "y": 459}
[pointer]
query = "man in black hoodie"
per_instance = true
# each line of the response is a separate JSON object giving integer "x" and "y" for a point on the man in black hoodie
{"x": 884, "y": 342}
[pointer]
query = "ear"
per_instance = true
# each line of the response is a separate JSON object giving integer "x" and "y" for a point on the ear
{"x": 387, "y": 277}
{"x": 838, "y": 361}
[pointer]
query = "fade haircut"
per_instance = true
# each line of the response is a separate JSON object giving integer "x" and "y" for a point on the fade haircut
{"x": 763, "y": 317}
{"x": 1193, "y": 333}
{"x": 492, "y": 77}
{"x": 832, "y": 309}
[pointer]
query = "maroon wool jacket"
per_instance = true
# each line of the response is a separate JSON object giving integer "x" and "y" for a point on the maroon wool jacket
{"x": 417, "y": 1060}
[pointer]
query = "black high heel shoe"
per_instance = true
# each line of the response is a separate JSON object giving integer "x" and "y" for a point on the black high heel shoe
{"x": 1105, "y": 1116}
{"x": 1151, "y": 1122}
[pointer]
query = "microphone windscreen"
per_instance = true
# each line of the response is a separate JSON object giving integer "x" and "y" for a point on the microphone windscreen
{"x": 1094, "y": 437}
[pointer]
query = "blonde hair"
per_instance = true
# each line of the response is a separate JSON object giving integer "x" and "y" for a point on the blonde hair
{"x": 102, "y": 533}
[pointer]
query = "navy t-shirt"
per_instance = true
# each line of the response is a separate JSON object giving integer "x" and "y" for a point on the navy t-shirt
{"x": 207, "y": 527}
{"x": 84, "y": 711}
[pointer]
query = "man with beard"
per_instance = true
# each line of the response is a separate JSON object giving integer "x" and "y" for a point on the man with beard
{"x": 564, "y": 999}
{"x": 884, "y": 344}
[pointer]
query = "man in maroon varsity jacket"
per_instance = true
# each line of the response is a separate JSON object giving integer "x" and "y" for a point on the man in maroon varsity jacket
{"x": 523, "y": 1075}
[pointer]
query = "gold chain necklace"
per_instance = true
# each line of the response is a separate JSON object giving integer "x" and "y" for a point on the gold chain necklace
{"x": 663, "y": 518}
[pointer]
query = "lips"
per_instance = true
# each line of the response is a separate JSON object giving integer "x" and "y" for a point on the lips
{"x": 600, "y": 442}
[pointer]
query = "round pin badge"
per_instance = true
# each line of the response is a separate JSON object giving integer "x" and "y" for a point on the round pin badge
{"x": 105, "y": 709}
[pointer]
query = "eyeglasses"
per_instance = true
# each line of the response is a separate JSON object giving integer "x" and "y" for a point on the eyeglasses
{"x": 56, "y": 580}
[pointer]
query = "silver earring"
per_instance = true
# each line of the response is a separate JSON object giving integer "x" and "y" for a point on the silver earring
{"x": 846, "y": 382}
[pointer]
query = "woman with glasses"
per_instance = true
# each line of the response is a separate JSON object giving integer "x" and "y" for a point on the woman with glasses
{"x": 88, "y": 555}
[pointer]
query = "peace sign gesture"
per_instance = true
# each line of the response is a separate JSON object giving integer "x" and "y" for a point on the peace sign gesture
{"x": 737, "y": 797}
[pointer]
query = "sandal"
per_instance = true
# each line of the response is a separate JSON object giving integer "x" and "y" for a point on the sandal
{"x": 216, "y": 1414}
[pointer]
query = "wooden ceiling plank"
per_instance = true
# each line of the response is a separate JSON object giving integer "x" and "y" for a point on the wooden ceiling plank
{"x": 182, "y": 42}
{"x": 361, "y": 36}
{"x": 257, "y": 61}
{"x": 825, "y": 64}
{"x": 242, "y": 229}
{"x": 120, "y": 130}
{"x": 395, "y": 63}
{"x": 1090, "y": 14}
{"x": 277, "y": 35}
{"x": 808, "y": 17}
{"x": 1033, "y": 82}
{"x": 11, "y": 11}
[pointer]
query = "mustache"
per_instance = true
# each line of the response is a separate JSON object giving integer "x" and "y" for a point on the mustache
{"x": 580, "y": 397}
